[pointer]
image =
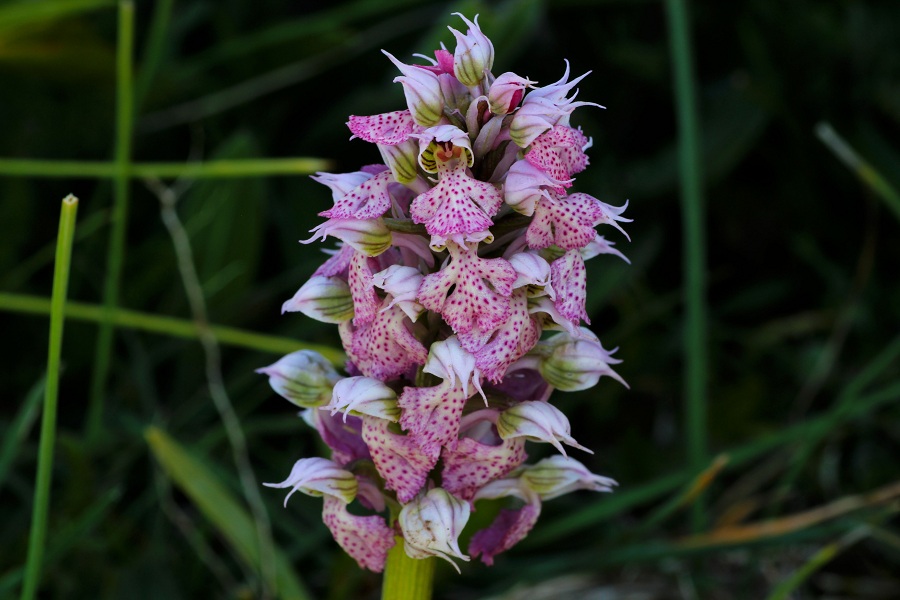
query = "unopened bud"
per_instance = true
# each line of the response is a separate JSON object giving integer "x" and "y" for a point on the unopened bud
{"x": 576, "y": 363}
{"x": 319, "y": 477}
{"x": 474, "y": 54}
{"x": 558, "y": 475}
{"x": 360, "y": 396}
{"x": 325, "y": 299}
{"x": 431, "y": 525}
{"x": 304, "y": 377}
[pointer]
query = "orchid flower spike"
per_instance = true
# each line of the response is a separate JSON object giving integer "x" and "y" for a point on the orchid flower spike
{"x": 459, "y": 290}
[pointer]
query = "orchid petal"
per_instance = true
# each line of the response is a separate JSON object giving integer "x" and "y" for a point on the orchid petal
{"x": 366, "y": 539}
{"x": 400, "y": 460}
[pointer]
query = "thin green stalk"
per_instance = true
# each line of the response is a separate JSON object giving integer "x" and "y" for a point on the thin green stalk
{"x": 845, "y": 400}
{"x": 215, "y": 382}
{"x": 38, "y": 535}
{"x": 695, "y": 325}
{"x": 407, "y": 578}
{"x": 254, "y": 167}
{"x": 856, "y": 163}
{"x": 153, "y": 51}
{"x": 119, "y": 217}
{"x": 20, "y": 428}
{"x": 132, "y": 319}
{"x": 785, "y": 589}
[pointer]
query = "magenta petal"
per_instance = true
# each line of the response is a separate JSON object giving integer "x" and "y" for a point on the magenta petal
{"x": 431, "y": 415}
{"x": 569, "y": 279}
{"x": 362, "y": 290}
{"x": 369, "y": 200}
{"x": 479, "y": 304}
{"x": 507, "y": 530}
{"x": 338, "y": 263}
{"x": 384, "y": 348}
{"x": 474, "y": 464}
{"x": 559, "y": 152}
{"x": 457, "y": 204}
{"x": 388, "y": 128}
{"x": 564, "y": 221}
{"x": 518, "y": 334}
{"x": 399, "y": 458}
{"x": 344, "y": 437}
{"x": 366, "y": 539}
{"x": 522, "y": 384}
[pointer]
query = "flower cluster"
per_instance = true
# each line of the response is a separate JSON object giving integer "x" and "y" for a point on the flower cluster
{"x": 458, "y": 287}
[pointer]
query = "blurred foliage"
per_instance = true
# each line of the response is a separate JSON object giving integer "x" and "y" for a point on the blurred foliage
{"x": 803, "y": 270}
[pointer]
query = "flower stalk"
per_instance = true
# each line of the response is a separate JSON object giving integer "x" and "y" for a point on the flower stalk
{"x": 407, "y": 578}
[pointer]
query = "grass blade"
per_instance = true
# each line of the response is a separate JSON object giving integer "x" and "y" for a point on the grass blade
{"x": 133, "y": 319}
{"x": 22, "y": 14}
{"x": 219, "y": 506}
{"x": 218, "y": 169}
{"x": 20, "y": 428}
{"x": 38, "y": 534}
{"x": 119, "y": 219}
{"x": 856, "y": 163}
{"x": 695, "y": 351}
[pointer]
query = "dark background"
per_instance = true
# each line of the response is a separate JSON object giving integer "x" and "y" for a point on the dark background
{"x": 803, "y": 290}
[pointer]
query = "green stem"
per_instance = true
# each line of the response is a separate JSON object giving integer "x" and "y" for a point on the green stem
{"x": 133, "y": 319}
{"x": 407, "y": 578}
{"x": 695, "y": 337}
{"x": 856, "y": 163}
{"x": 119, "y": 217}
{"x": 254, "y": 167}
{"x": 38, "y": 535}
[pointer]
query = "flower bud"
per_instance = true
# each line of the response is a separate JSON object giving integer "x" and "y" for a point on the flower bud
{"x": 506, "y": 92}
{"x": 402, "y": 159}
{"x": 325, "y": 299}
{"x": 451, "y": 362}
{"x": 369, "y": 236}
{"x": 402, "y": 283}
{"x": 558, "y": 475}
{"x": 319, "y": 477}
{"x": 423, "y": 92}
{"x": 537, "y": 422}
{"x": 304, "y": 377}
{"x": 364, "y": 396}
{"x": 525, "y": 186}
{"x": 576, "y": 363}
{"x": 532, "y": 270}
{"x": 431, "y": 525}
{"x": 474, "y": 54}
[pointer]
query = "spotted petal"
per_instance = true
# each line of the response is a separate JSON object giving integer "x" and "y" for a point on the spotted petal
{"x": 480, "y": 456}
{"x": 560, "y": 152}
{"x": 512, "y": 340}
{"x": 337, "y": 263}
{"x": 400, "y": 460}
{"x": 384, "y": 348}
{"x": 431, "y": 414}
{"x": 570, "y": 283}
{"x": 508, "y": 529}
{"x": 362, "y": 290}
{"x": 368, "y": 200}
{"x": 457, "y": 204}
{"x": 387, "y": 128}
{"x": 564, "y": 221}
{"x": 479, "y": 303}
{"x": 366, "y": 539}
